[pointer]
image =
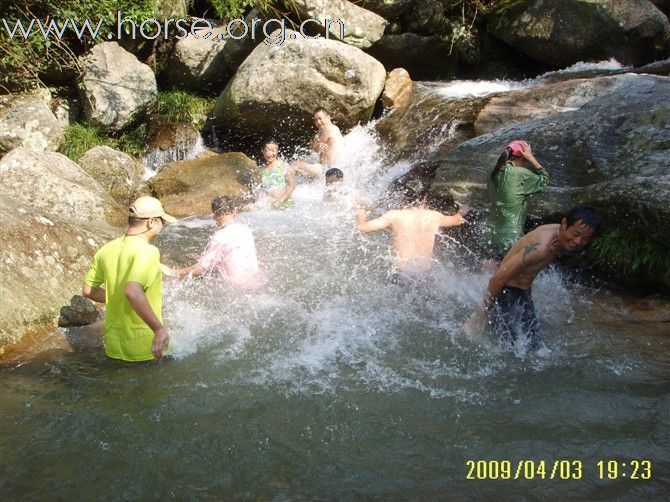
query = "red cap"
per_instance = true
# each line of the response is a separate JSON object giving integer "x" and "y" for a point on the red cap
{"x": 516, "y": 147}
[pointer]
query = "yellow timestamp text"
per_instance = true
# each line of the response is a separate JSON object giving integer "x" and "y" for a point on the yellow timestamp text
{"x": 562, "y": 469}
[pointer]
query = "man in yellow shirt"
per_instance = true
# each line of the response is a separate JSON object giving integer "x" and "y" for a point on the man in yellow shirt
{"x": 129, "y": 268}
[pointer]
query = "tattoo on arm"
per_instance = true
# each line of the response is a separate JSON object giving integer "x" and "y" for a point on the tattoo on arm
{"x": 529, "y": 248}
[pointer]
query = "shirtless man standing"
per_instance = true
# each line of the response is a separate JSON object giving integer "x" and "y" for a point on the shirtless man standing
{"x": 414, "y": 229}
{"x": 508, "y": 303}
{"x": 327, "y": 143}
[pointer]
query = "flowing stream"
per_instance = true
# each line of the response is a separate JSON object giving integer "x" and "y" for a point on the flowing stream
{"x": 331, "y": 383}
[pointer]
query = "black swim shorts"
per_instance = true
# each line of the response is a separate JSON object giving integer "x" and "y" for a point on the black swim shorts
{"x": 513, "y": 316}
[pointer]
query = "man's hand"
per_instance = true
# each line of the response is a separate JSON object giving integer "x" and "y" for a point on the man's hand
{"x": 464, "y": 209}
{"x": 475, "y": 325}
{"x": 160, "y": 342}
{"x": 193, "y": 256}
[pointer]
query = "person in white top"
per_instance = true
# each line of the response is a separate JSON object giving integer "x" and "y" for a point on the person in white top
{"x": 231, "y": 249}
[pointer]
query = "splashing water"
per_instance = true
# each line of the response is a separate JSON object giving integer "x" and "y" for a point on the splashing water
{"x": 329, "y": 382}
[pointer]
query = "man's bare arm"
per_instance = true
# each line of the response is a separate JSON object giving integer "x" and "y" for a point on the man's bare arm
{"x": 510, "y": 269}
{"x": 380, "y": 223}
{"x": 97, "y": 294}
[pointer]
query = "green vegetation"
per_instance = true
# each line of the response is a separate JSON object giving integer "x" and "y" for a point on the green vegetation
{"x": 23, "y": 62}
{"x": 178, "y": 106}
{"x": 632, "y": 256}
{"x": 81, "y": 137}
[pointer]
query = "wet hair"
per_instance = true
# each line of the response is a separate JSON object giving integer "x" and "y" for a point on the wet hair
{"x": 224, "y": 204}
{"x": 586, "y": 214}
{"x": 334, "y": 171}
{"x": 413, "y": 191}
{"x": 502, "y": 160}
{"x": 321, "y": 109}
{"x": 270, "y": 141}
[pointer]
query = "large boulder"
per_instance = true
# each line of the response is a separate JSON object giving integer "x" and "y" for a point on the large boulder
{"x": 116, "y": 87}
{"x": 53, "y": 184}
{"x": 522, "y": 105}
{"x": 115, "y": 171}
{"x": 343, "y": 20}
{"x": 281, "y": 85}
{"x": 45, "y": 257}
{"x": 188, "y": 187}
{"x": 424, "y": 57}
{"x": 426, "y": 17}
{"x": 26, "y": 120}
{"x": 204, "y": 65}
{"x": 611, "y": 152}
{"x": 564, "y": 32}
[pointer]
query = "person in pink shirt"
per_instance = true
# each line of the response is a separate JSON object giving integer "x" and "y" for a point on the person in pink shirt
{"x": 231, "y": 249}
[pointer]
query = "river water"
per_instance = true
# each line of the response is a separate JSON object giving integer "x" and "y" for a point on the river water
{"x": 329, "y": 382}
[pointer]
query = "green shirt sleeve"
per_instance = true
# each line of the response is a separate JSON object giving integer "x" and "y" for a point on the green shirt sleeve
{"x": 94, "y": 277}
{"x": 535, "y": 181}
{"x": 145, "y": 267}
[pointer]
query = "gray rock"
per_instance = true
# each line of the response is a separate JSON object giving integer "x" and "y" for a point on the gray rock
{"x": 564, "y": 32}
{"x": 44, "y": 260}
{"x": 53, "y": 184}
{"x": 426, "y": 17}
{"x": 115, "y": 171}
{"x": 80, "y": 312}
{"x": 398, "y": 88}
{"x": 361, "y": 27}
{"x": 388, "y": 9}
{"x": 285, "y": 83}
{"x": 201, "y": 64}
{"x": 116, "y": 88}
{"x": 611, "y": 152}
{"x": 27, "y": 121}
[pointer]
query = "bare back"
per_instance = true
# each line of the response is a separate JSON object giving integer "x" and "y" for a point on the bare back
{"x": 414, "y": 233}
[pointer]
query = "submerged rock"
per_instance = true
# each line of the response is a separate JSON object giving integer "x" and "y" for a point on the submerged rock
{"x": 80, "y": 312}
{"x": 187, "y": 188}
{"x": 564, "y": 32}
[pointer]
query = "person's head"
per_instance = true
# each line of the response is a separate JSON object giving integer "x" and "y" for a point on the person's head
{"x": 321, "y": 117}
{"x": 578, "y": 226}
{"x": 147, "y": 216}
{"x": 224, "y": 205}
{"x": 414, "y": 193}
{"x": 512, "y": 153}
{"x": 334, "y": 175}
{"x": 270, "y": 150}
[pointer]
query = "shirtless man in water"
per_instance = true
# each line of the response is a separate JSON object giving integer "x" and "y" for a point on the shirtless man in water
{"x": 508, "y": 304}
{"x": 327, "y": 143}
{"x": 414, "y": 229}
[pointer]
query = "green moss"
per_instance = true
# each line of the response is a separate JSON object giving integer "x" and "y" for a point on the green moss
{"x": 181, "y": 107}
{"x": 633, "y": 257}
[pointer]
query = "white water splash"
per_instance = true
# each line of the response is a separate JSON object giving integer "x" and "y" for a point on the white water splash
{"x": 156, "y": 159}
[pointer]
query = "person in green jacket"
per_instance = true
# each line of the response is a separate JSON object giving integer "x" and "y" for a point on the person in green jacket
{"x": 516, "y": 176}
